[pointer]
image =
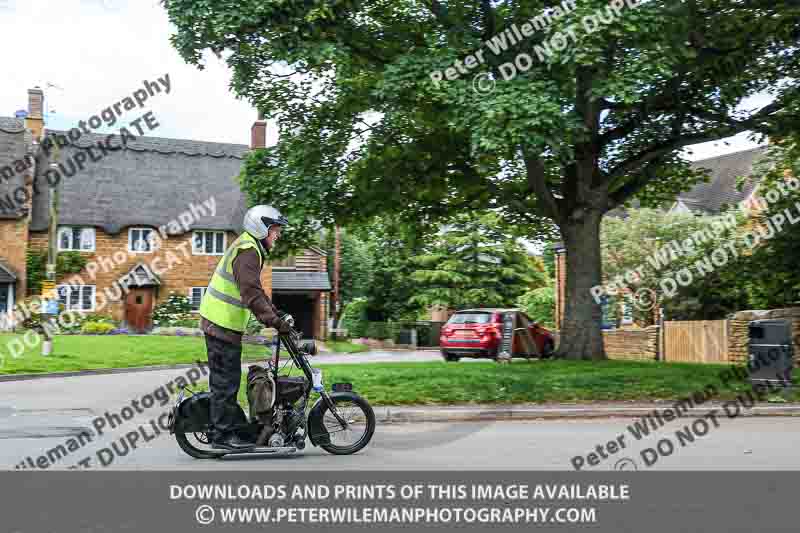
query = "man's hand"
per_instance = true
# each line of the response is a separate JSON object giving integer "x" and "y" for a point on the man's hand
{"x": 283, "y": 326}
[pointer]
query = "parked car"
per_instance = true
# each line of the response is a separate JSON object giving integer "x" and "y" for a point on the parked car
{"x": 478, "y": 332}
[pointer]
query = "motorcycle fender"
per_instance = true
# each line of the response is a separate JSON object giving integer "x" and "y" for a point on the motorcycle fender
{"x": 315, "y": 429}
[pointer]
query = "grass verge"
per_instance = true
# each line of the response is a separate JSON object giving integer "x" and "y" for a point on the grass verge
{"x": 85, "y": 352}
{"x": 345, "y": 347}
{"x": 440, "y": 383}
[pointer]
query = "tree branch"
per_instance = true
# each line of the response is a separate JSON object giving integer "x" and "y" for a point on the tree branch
{"x": 537, "y": 182}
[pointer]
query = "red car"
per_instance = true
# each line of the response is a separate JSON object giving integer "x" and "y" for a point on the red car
{"x": 477, "y": 333}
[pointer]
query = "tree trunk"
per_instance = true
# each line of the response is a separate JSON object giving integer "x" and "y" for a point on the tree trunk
{"x": 581, "y": 335}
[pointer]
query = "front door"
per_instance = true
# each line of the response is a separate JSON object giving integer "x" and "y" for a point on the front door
{"x": 139, "y": 310}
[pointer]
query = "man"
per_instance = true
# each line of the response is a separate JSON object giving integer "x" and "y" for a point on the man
{"x": 233, "y": 293}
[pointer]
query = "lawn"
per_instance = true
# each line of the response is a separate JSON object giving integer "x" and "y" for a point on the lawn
{"x": 82, "y": 352}
{"x": 345, "y": 347}
{"x": 520, "y": 382}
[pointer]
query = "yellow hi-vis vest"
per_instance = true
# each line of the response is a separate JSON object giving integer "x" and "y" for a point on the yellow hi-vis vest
{"x": 222, "y": 302}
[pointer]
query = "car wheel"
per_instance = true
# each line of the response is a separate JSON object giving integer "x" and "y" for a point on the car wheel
{"x": 549, "y": 348}
{"x": 450, "y": 358}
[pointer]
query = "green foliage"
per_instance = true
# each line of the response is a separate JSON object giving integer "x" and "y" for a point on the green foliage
{"x": 96, "y": 328}
{"x": 474, "y": 262}
{"x": 540, "y": 305}
{"x": 69, "y": 262}
{"x": 79, "y": 320}
{"x": 770, "y": 274}
{"x": 549, "y": 259}
{"x": 643, "y": 246}
{"x": 378, "y": 330}
{"x": 354, "y": 318}
{"x": 175, "y": 311}
{"x": 356, "y": 265}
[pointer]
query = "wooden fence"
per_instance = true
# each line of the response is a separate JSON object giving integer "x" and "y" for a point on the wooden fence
{"x": 697, "y": 341}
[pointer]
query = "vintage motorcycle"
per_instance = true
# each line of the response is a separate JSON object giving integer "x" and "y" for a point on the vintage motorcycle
{"x": 340, "y": 422}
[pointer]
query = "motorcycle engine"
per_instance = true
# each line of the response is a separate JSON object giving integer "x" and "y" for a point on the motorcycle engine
{"x": 276, "y": 440}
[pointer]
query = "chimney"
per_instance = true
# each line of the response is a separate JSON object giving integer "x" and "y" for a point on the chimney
{"x": 35, "y": 119}
{"x": 258, "y": 133}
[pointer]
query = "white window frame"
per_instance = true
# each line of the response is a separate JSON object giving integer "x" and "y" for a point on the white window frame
{"x": 151, "y": 239}
{"x": 205, "y": 233}
{"x": 202, "y": 293}
{"x": 9, "y": 305}
{"x": 81, "y": 289}
{"x": 72, "y": 247}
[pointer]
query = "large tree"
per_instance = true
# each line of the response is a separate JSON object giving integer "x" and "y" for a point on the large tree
{"x": 599, "y": 109}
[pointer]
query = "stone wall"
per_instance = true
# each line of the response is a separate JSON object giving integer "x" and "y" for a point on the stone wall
{"x": 738, "y": 333}
{"x": 630, "y": 344}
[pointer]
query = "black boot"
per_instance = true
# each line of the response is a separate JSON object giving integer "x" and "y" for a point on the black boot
{"x": 232, "y": 441}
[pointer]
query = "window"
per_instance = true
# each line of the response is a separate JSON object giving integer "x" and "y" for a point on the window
{"x": 208, "y": 243}
{"x": 5, "y": 300}
{"x": 286, "y": 262}
{"x": 75, "y": 238}
{"x": 470, "y": 318}
{"x": 140, "y": 240}
{"x": 77, "y": 297}
{"x": 196, "y": 296}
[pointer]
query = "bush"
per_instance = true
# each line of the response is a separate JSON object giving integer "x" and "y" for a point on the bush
{"x": 187, "y": 323}
{"x": 176, "y": 310}
{"x": 540, "y": 304}
{"x": 76, "y": 324}
{"x": 378, "y": 330}
{"x": 97, "y": 328}
{"x": 354, "y": 318}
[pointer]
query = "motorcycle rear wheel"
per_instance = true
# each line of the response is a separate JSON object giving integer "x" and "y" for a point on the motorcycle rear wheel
{"x": 190, "y": 448}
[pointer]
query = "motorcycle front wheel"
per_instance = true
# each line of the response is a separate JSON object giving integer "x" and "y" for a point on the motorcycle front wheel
{"x": 360, "y": 419}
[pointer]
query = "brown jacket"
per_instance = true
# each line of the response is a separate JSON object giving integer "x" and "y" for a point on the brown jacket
{"x": 247, "y": 273}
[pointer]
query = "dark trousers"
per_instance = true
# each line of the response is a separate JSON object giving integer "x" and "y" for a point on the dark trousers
{"x": 225, "y": 372}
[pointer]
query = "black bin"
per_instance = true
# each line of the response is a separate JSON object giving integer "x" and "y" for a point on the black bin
{"x": 771, "y": 352}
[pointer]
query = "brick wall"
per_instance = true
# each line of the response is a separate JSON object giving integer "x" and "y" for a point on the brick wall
{"x": 187, "y": 270}
{"x": 14, "y": 237}
{"x": 738, "y": 335}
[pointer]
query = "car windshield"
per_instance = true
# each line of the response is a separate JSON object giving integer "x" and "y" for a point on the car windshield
{"x": 470, "y": 318}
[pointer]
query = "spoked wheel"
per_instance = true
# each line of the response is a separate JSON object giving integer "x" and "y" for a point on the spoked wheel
{"x": 360, "y": 419}
{"x": 197, "y": 444}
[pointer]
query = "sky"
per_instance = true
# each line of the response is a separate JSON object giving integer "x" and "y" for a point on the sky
{"x": 90, "y": 54}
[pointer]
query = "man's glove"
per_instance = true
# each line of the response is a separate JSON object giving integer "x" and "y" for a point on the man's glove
{"x": 283, "y": 326}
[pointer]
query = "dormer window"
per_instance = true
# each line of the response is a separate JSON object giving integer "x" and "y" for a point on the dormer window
{"x": 208, "y": 243}
{"x": 140, "y": 240}
{"x": 73, "y": 238}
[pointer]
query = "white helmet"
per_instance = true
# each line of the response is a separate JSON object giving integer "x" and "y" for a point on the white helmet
{"x": 258, "y": 219}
